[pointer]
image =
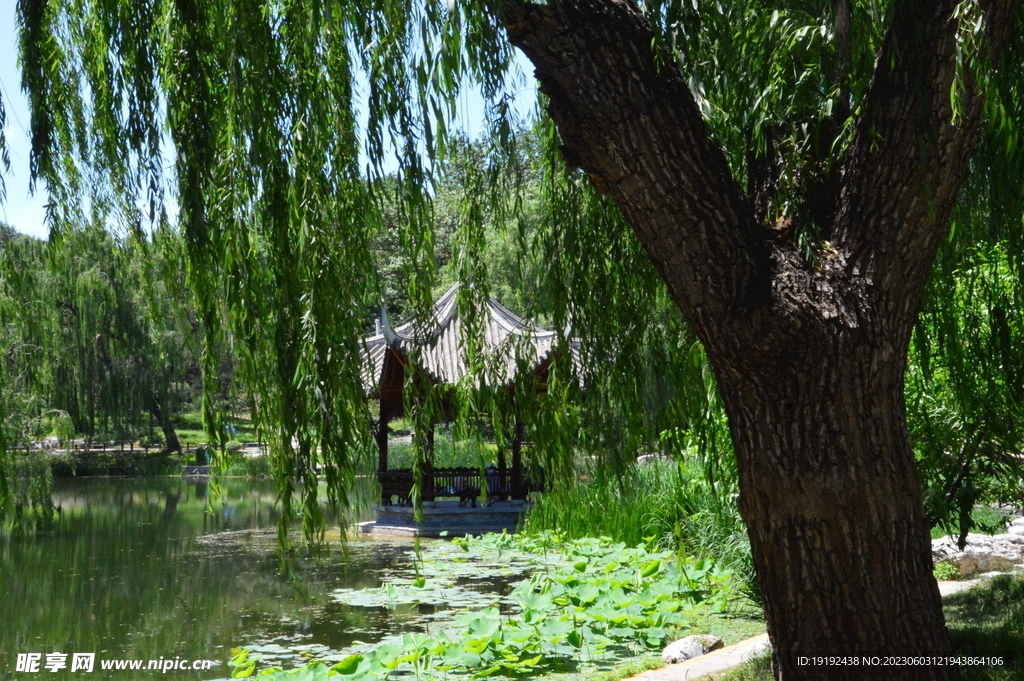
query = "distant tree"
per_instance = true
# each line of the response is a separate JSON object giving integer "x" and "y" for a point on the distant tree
{"x": 6, "y": 233}
{"x": 121, "y": 354}
{"x": 24, "y": 331}
{"x": 965, "y": 388}
{"x": 95, "y": 332}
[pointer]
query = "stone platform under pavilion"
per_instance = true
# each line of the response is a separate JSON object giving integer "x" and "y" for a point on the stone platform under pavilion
{"x": 445, "y": 519}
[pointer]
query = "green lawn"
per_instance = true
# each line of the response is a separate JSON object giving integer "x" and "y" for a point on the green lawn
{"x": 189, "y": 428}
{"x": 988, "y": 621}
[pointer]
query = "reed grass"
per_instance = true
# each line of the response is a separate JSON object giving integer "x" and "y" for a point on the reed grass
{"x": 663, "y": 502}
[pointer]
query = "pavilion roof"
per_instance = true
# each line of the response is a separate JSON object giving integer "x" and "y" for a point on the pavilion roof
{"x": 509, "y": 344}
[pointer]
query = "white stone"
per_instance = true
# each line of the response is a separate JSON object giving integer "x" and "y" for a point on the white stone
{"x": 652, "y": 458}
{"x": 982, "y": 553}
{"x": 690, "y": 647}
{"x": 990, "y": 575}
{"x": 760, "y": 648}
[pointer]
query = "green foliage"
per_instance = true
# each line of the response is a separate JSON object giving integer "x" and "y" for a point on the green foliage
{"x": 285, "y": 229}
{"x": 24, "y": 330}
{"x": 945, "y": 571}
{"x": 783, "y": 89}
{"x": 668, "y": 502}
{"x": 643, "y": 369}
{"x": 757, "y": 669}
{"x": 965, "y": 396}
{"x": 279, "y": 220}
{"x": 586, "y": 598}
{"x": 98, "y": 338}
{"x": 447, "y": 453}
{"x": 502, "y": 260}
{"x": 248, "y": 466}
{"x": 984, "y": 520}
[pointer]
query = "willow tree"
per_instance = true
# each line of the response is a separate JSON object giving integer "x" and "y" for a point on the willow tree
{"x": 95, "y": 335}
{"x": 787, "y": 169}
{"x": 118, "y": 351}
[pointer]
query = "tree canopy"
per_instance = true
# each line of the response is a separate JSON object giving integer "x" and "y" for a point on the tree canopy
{"x": 277, "y": 214}
{"x": 97, "y": 335}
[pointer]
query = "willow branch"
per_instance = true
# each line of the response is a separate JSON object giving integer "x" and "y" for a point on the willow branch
{"x": 841, "y": 23}
{"x": 626, "y": 116}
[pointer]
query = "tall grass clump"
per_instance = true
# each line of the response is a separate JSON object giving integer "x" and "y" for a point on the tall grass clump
{"x": 667, "y": 502}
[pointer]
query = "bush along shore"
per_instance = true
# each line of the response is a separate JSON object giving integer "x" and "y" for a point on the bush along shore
{"x": 137, "y": 459}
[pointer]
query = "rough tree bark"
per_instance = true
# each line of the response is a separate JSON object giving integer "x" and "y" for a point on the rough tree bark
{"x": 810, "y": 361}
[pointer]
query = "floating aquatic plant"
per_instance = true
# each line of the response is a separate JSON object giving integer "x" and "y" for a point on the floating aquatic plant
{"x": 578, "y": 602}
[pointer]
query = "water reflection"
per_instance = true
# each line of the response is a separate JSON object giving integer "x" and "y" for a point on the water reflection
{"x": 137, "y": 569}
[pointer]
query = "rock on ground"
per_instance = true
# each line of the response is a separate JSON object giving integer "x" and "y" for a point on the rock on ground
{"x": 690, "y": 647}
{"x": 652, "y": 458}
{"x": 982, "y": 553}
{"x": 1016, "y": 527}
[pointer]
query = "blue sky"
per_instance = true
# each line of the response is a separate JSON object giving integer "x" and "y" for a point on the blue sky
{"x": 27, "y": 213}
{"x": 24, "y": 213}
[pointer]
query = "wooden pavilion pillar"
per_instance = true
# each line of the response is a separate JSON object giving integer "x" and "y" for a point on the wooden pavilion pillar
{"x": 518, "y": 482}
{"x": 382, "y": 447}
{"x": 382, "y": 440}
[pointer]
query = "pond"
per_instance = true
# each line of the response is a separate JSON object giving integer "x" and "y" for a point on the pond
{"x": 136, "y": 569}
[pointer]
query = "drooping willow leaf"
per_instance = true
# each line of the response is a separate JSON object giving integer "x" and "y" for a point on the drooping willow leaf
{"x": 258, "y": 105}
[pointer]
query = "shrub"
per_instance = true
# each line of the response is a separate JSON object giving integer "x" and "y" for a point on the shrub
{"x": 945, "y": 571}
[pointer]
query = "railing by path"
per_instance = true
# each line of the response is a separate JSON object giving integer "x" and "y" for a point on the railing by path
{"x": 82, "y": 446}
{"x": 90, "y": 446}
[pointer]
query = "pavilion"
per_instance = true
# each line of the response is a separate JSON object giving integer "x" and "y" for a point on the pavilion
{"x": 513, "y": 349}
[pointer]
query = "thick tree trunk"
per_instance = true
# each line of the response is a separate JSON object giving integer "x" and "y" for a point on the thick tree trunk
{"x": 809, "y": 359}
{"x": 170, "y": 436}
{"x": 832, "y": 501}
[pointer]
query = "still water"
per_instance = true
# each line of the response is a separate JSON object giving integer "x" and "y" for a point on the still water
{"x": 136, "y": 568}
